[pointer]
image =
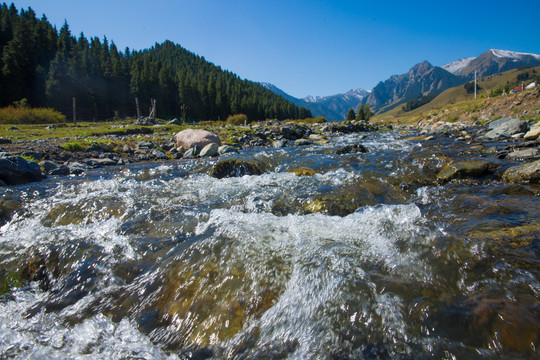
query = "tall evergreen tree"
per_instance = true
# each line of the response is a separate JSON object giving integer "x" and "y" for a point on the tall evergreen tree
{"x": 350, "y": 115}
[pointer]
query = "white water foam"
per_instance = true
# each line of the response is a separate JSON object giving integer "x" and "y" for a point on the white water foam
{"x": 43, "y": 336}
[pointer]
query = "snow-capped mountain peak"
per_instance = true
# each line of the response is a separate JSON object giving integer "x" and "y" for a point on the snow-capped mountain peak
{"x": 511, "y": 54}
{"x": 455, "y": 67}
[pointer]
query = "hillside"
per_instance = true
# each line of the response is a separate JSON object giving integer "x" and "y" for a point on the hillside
{"x": 421, "y": 79}
{"x": 49, "y": 68}
{"x": 456, "y": 104}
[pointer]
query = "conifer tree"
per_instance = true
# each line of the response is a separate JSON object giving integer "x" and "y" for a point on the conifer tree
{"x": 350, "y": 115}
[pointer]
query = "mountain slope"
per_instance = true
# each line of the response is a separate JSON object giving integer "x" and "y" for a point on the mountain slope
{"x": 421, "y": 79}
{"x": 495, "y": 61}
{"x": 333, "y": 107}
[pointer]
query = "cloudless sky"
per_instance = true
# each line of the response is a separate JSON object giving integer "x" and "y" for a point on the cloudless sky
{"x": 308, "y": 47}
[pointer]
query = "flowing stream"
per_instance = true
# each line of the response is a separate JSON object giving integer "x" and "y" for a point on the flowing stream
{"x": 367, "y": 258}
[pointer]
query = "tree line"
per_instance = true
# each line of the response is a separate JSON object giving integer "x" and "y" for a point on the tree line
{"x": 50, "y": 67}
{"x": 364, "y": 113}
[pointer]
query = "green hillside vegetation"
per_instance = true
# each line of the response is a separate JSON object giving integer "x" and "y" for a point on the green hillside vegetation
{"x": 50, "y": 67}
{"x": 459, "y": 99}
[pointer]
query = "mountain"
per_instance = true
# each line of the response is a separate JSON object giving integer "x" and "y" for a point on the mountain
{"x": 333, "y": 107}
{"x": 421, "y": 79}
{"x": 426, "y": 79}
{"x": 491, "y": 62}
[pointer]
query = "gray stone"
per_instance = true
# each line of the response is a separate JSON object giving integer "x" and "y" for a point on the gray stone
{"x": 190, "y": 137}
{"x": 52, "y": 168}
{"x": 101, "y": 162}
{"x": 506, "y": 128}
{"x": 523, "y": 173}
{"x": 159, "y": 155}
{"x": 209, "y": 150}
{"x": 14, "y": 170}
{"x": 76, "y": 168}
{"x": 533, "y": 133}
{"x": 302, "y": 142}
{"x": 226, "y": 149}
{"x": 279, "y": 144}
{"x": 526, "y": 154}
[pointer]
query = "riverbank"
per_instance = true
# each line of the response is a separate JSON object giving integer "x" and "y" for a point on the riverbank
{"x": 72, "y": 156}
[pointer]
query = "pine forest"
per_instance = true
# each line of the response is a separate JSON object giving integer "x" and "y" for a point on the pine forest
{"x": 49, "y": 68}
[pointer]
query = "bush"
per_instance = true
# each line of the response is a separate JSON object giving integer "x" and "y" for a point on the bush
{"x": 21, "y": 115}
{"x": 238, "y": 119}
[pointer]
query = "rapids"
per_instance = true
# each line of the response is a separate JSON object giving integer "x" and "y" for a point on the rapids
{"x": 368, "y": 258}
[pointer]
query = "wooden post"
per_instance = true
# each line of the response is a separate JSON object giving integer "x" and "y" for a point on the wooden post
{"x": 138, "y": 108}
{"x": 74, "y": 111}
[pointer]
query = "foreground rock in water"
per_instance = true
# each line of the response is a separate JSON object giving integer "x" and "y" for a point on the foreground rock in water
{"x": 14, "y": 170}
{"x": 523, "y": 173}
{"x": 236, "y": 168}
{"x": 465, "y": 169}
{"x": 190, "y": 137}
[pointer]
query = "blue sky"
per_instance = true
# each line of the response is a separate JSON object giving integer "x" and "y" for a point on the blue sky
{"x": 306, "y": 47}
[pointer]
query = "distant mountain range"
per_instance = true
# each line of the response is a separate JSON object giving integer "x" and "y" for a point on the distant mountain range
{"x": 422, "y": 79}
{"x": 333, "y": 107}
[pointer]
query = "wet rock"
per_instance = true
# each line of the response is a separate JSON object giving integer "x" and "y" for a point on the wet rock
{"x": 76, "y": 168}
{"x": 9, "y": 204}
{"x": 34, "y": 269}
{"x": 190, "y": 137}
{"x": 533, "y": 133}
{"x": 226, "y": 149}
{"x": 527, "y": 154}
{"x": 14, "y": 170}
{"x": 352, "y": 149}
{"x": 465, "y": 169}
{"x": 523, "y": 173}
{"x": 506, "y": 128}
{"x": 209, "y": 150}
{"x": 5, "y": 141}
{"x": 279, "y": 144}
{"x": 302, "y": 171}
{"x": 52, "y": 168}
{"x": 100, "y": 162}
{"x": 302, "y": 142}
{"x": 236, "y": 168}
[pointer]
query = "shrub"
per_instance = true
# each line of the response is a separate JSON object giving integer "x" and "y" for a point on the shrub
{"x": 21, "y": 115}
{"x": 238, "y": 119}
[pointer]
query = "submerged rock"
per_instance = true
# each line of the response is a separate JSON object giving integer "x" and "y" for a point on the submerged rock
{"x": 236, "y": 168}
{"x": 465, "y": 169}
{"x": 352, "y": 149}
{"x": 523, "y": 173}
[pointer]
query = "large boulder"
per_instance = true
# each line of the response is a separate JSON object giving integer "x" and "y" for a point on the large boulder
{"x": 523, "y": 173}
{"x": 190, "y": 137}
{"x": 14, "y": 170}
{"x": 506, "y": 128}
